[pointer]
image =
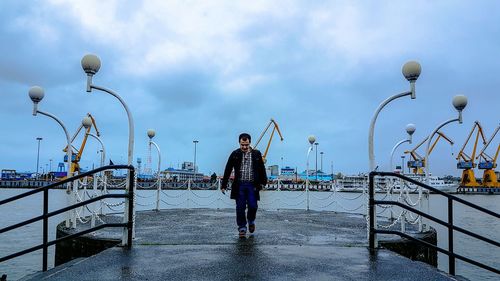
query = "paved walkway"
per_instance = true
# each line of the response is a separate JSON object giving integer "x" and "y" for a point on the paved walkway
{"x": 202, "y": 244}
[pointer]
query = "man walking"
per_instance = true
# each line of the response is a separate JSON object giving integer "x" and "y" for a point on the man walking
{"x": 249, "y": 177}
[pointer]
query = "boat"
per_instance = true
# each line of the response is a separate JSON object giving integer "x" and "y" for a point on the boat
{"x": 434, "y": 181}
{"x": 383, "y": 184}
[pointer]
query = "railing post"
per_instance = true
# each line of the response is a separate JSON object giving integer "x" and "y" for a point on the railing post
{"x": 158, "y": 188}
{"x": 130, "y": 224}
{"x": 188, "y": 191}
{"x": 45, "y": 229}
{"x": 74, "y": 184}
{"x": 371, "y": 208}
{"x": 451, "y": 259}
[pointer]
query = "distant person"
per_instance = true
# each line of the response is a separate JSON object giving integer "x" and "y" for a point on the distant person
{"x": 249, "y": 178}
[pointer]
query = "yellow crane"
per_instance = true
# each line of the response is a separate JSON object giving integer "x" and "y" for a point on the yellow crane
{"x": 418, "y": 162}
{"x": 275, "y": 128}
{"x": 488, "y": 163}
{"x": 77, "y": 153}
{"x": 466, "y": 162}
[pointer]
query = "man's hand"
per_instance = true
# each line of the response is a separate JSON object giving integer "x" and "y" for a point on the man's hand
{"x": 223, "y": 190}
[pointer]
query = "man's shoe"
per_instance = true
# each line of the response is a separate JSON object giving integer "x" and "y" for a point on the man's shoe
{"x": 251, "y": 228}
{"x": 242, "y": 233}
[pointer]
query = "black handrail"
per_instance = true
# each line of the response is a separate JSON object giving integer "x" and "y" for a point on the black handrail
{"x": 46, "y": 214}
{"x": 451, "y": 255}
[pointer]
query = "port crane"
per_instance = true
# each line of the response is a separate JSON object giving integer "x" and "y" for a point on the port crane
{"x": 418, "y": 162}
{"x": 275, "y": 128}
{"x": 77, "y": 153}
{"x": 488, "y": 163}
{"x": 466, "y": 162}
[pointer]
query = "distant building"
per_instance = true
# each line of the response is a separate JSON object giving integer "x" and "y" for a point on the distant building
{"x": 188, "y": 166}
{"x": 177, "y": 175}
{"x": 288, "y": 173}
{"x": 312, "y": 176}
{"x": 272, "y": 171}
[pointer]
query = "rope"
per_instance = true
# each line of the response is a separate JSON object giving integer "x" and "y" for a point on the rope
{"x": 293, "y": 197}
{"x": 318, "y": 198}
{"x": 354, "y": 198}
{"x": 172, "y": 196}
{"x": 204, "y": 205}
{"x": 145, "y": 197}
{"x": 172, "y": 204}
{"x": 199, "y": 196}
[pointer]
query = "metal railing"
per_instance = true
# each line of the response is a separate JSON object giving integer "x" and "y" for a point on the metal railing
{"x": 46, "y": 214}
{"x": 451, "y": 227}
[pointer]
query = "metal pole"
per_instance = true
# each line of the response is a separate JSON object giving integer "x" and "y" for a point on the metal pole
{"x": 371, "y": 213}
{"x": 45, "y": 229}
{"x": 371, "y": 154}
{"x": 316, "y": 172}
{"x": 38, "y": 155}
{"x": 194, "y": 168}
{"x": 426, "y": 159}
{"x": 130, "y": 154}
{"x": 426, "y": 163}
{"x": 158, "y": 188}
{"x": 402, "y": 164}
{"x": 394, "y": 149}
{"x": 103, "y": 151}
{"x": 130, "y": 220}
{"x": 451, "y": 259}
{"x": 69, "y": 153}
{"x": 307, "y": 174}
{"x": 321, "y": 155}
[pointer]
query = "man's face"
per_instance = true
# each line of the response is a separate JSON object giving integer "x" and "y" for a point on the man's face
{"x": 244, "y": 145}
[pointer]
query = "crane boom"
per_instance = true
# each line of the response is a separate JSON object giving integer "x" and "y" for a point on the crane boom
{"x": 488, "y": 163}
{"x": 465, "y": 161}
{"x": 77, "y": 153}
{"x": 418, "y": 161}
{"x": 275, "y": 128}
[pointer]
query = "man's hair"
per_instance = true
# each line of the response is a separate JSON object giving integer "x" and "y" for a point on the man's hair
{"x": 245, "y": 137}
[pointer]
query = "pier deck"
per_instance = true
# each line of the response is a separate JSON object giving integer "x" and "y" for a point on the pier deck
{"x": 202, "y": 244}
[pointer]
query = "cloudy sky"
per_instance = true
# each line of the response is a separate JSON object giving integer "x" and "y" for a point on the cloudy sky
{"x": 209, "y": 70}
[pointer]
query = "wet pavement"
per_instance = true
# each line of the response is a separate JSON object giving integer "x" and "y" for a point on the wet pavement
{"x": 202, "y": 244}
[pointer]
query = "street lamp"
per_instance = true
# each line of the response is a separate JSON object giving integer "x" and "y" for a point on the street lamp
{"x": 91, "y": 65}
{"x": 410, "y": 129}
{"x": 38, "y": 155}
{"x": 411, "y": 71}
{"x": 36, "y": 94}
{"x": 403, "y": 164}
{"x": 311, "y": 140}
{"x": 321, "y": 157}
{"x": 194, "y": 168}
{"x": 87, "y": 123}
{"x": 151, "y": 134}
{"x": 459, "y": 102}
{"x": 316, "y": 168}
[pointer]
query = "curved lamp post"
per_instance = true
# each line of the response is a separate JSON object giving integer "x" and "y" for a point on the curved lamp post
{"x": 459, "y": 102}
{"x": 311, "y": 140}
{"x": 36, "y": 94}
{"x": 91, "y": 65}
{"x": 151, "y": 134}
{"x": 411, "y": 71}
{"x": 87, "y": 122}
{"x": 410, "y": 129}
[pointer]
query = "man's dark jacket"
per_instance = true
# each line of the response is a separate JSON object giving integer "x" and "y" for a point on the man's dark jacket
{"x": 234, "y": 162}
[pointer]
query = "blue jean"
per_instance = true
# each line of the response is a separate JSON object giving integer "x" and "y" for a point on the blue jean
{"x": 246, "y": 196}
